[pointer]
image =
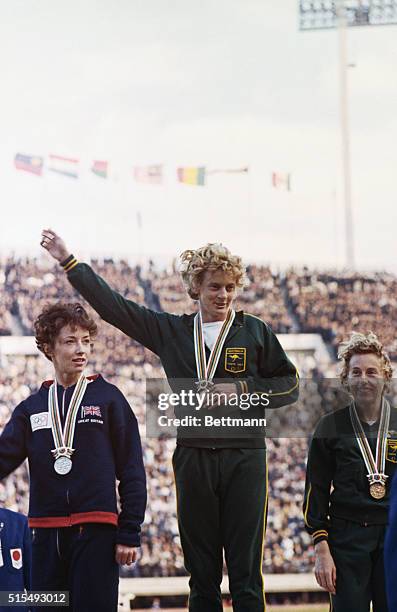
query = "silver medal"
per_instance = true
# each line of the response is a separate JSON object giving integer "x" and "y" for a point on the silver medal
{"x": 63, "y": 465}
{"x": 63, "y": 441}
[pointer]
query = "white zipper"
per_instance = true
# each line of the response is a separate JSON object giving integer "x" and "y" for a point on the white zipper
{"x": 59, "y": 552}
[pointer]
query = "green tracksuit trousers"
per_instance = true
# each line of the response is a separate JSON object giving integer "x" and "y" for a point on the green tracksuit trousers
{"x": 222, "y": 505}
{"x": 357, "y": 551}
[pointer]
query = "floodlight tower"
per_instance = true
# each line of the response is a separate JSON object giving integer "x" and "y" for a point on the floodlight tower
{"x": 341, "y": 14}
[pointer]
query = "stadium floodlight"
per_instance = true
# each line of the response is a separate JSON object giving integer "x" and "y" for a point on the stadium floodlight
{"x": 323, "y": 14}
{"x": 342, "y": 14}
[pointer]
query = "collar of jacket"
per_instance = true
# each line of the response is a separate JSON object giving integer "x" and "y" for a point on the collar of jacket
{"x": 47, "y": 383}
{"x": 238, "y": 319}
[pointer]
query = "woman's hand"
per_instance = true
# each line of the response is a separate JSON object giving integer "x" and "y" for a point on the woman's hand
{"x": 54, "y": 244}
{"x": 324, "y": 569}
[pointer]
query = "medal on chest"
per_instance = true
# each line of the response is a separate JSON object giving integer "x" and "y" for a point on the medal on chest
{"x": 206, "y": 371}
{"x": 375, "y": 465}
{"x": 63, "y": 438}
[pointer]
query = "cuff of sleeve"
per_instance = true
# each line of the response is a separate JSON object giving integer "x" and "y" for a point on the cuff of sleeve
{"x": 242, "y": 386}
{"x": 319, "y": 536}
{"x": 69, "y": 263}
{"x": 252, "y": 386}
{"x": 128, "y": 539}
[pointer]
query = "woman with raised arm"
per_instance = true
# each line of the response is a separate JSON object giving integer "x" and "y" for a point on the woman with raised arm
{"x": 221, "y": 479}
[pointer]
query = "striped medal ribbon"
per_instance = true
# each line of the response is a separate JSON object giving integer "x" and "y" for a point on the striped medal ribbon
{"x": 206, "y": 372}
{"x": 1, "y": 550}
{"x": 63, "y": 440}
{"x": 376, "y": 467}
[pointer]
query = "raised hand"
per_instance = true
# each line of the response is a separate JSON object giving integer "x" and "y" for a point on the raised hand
{"x": 54, "y": 244}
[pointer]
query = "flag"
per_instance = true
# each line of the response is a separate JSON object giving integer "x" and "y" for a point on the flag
{"x": 90, "y": 411}
{"x": 64, "y": 165}
{"x": 100, "y": 168}
{"x": 281, "y": 180}
{"x": 152, "y": 175}
{"x": 191, "y": 176}
{"x": 29, "y": 163}
{"x": 228, "y": 170}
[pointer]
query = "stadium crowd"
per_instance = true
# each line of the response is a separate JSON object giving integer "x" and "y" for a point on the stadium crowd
{"x": 305, "y": 301}
{"x": 335, "y": 303}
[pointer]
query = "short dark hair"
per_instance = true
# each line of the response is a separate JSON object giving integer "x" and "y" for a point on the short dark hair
{"x": 53, "y": 318}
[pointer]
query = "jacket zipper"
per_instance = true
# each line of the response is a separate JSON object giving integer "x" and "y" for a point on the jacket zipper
{"x": 63, "y": 417}
{"x": 59, "y": 552}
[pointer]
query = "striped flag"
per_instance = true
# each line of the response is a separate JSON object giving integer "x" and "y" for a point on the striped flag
{"x": 64, "y": 165}
{"x": 151, "y": 175}
{"x": 100, "y": 168}
{"x": 191, "y": 176}
{"x": 281, "y": 180}
{"x": 29, "y": 163}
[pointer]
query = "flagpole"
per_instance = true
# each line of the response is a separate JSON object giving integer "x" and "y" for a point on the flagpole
{"x": 344, "y": 119}
{"x": 334, "y": 204}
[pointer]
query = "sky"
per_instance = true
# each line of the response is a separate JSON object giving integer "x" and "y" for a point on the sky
{"x": 224, "y": 84}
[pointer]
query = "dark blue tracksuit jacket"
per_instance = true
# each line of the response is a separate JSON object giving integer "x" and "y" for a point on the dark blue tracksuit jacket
{"x": 107, "y": 446}
{"x": 15, "y": 554}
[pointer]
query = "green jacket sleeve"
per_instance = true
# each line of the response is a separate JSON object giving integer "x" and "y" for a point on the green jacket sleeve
{"x": 319, "y": 476}
{"x": 140, "y": 323}
{"x": 277, "y": 376}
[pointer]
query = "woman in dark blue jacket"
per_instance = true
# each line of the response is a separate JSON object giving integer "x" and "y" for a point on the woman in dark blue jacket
{"x": 79, "y": 435}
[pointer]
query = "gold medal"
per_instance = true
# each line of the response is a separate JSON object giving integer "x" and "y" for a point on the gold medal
{"x": 204, "y": 385}
{"x": 377, "y": 490}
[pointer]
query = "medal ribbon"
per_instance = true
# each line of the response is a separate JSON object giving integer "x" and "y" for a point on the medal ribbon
{"x": 207, "y": 371}
{"x": 1, "y": 550}
{"x": 374, "y": 466}
{"x": 64, "y": 439}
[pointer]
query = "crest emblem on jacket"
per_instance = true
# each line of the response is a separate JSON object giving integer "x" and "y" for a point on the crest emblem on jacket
{"x": 235, "y": 359}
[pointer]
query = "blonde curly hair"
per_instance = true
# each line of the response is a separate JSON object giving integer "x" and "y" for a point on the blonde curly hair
{"x": 363, "y": 343}
{"x": 212, "y": 256}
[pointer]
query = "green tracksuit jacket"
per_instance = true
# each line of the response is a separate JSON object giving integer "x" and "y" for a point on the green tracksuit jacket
{"x": 335, "y": 459}
{"x": 261, "y": 365}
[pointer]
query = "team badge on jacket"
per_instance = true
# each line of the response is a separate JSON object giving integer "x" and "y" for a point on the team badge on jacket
{"x": 40, "y": 420}
{"x": 90, "y": 411}
{"x": 391, "y": 448}
{"x": 16, "y": 557}
{"x": 235, "y": 359}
